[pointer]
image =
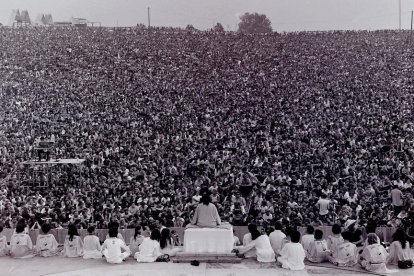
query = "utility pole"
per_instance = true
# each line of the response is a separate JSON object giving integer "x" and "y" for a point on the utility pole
{"x": 411, "y": 22}
{"x": 399, "y": 15}
{"x": 149, "y": 19}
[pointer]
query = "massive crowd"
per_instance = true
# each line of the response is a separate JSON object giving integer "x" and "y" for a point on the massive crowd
{"x": 311, "y": 128}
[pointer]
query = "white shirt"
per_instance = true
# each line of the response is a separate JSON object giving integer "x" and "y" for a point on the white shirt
{"x": 113, "y": 248}
{"x": 292, "y": 256}
{"x": 323, "y": 206}
{"x": 306, "y": 241}
{"x": 149, "y": 251}
{"x": 276, "y": 238}
{"x": 91, "y": 243}
{"x": 264, "y": 250}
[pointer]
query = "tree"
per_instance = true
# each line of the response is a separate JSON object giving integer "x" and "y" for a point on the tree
{"x": 253, "y": 23}
{"x": 218, "y": 28}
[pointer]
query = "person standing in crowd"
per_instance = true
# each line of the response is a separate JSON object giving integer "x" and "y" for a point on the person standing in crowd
{"x": 91, "y": 245}
{"x": 323, "y": 204}
{"x": 397, "y": 200}
{"x": 73, "y": 246}
{"x": 115, "y": 249}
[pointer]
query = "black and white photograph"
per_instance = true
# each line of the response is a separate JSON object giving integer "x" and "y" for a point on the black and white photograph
{"x": 206, "y": 137}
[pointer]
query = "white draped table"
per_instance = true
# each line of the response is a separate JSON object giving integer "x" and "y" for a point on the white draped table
{"x": 208, "y": 240}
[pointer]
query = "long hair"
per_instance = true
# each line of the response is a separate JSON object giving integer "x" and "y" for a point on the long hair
{"x": 165, "y": 238}
{"x": 400, "y": 236}
{"x": 72, "y": 231}
{"x": 205, "y": 199}
{"x": 155, "y": 235}
{"x": 137, "y": 232}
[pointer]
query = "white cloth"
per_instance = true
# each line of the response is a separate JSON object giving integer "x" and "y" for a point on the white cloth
{"x": 73, "y": 248}
{"x": 306, "y": 241}
{"x": 374, "y": 257}
{"x": 208, "y": 240}
{"x": 135, "y": 243}
{"x": 318, "y": 251}
{"x": 292, "y": 256}
{"x": 91, "y": 247}
{"x": 247, "y": 238}
{"x": 112, "y": 250}
{"x": 264, "y": 250}
{"x": 149, "y": 251}
{"x": 276, "y": 239}
{"x": 206, "y": 216}
{"x": 334, "y": 241}
{"x": 345, "y": 255}
{"x": 119, "y": 237}
{"x": 397, "y": 253}
{"x": 21, "y": 246}
{"x": 4, "y": 248}
{"x": 46, "y": 245}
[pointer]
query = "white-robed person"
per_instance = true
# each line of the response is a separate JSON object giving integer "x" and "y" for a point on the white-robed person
{"x": 4, "y": 248}
{"x": 73, "y": 246}
{"x": 91, "y": 245}
{"x": 292, "y": 255}
{"x": 399, "y": 249}
{"x": 149, "y": 250}
{"x": 46, "y": 244}
{"x": 114, "y": 249}
{"x": 277, "y": 237}
{"x": 21, "y": 245}
{"x": 136, "y": 240}
{"x": 206, "y": 215}
{"x": 261, "y": 243}
{"x": 374, "y": 256}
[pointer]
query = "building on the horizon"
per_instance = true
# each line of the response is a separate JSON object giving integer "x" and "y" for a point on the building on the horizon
{"x": 44, "y": 20}
{"x": 18, "y": 18}
{"x": 79, "y": 22}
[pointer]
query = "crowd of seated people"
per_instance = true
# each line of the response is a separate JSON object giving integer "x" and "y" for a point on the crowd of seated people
{"x": 313, "y": 127}
{"x": 292, "y": 250}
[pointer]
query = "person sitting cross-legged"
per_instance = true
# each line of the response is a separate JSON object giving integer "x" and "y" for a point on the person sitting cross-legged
{"x": 318, "y": 251}
{"x": 374, "y": 256}
{"x": 206, "y": 215}
{"x": 113, "y": 247}
{"x": 261, "y": 243}
{"x": 21, "y": 245}
{"x": 346, "y": 254}
{"x": 46, "y": 244}
{"x": 91, "y": 245}
{"x": 73, "y": 246}
{"x": 292, "y": 255}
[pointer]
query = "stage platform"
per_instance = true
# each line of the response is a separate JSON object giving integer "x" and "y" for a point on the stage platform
{"x": 54, "y": 161}
{"x": 77, "y": 267}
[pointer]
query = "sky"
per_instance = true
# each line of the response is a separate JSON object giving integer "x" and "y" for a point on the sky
{"x": 285, "y": 15}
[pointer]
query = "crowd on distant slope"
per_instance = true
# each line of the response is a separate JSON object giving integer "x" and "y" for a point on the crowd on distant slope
{"x": 314, "y": 128}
